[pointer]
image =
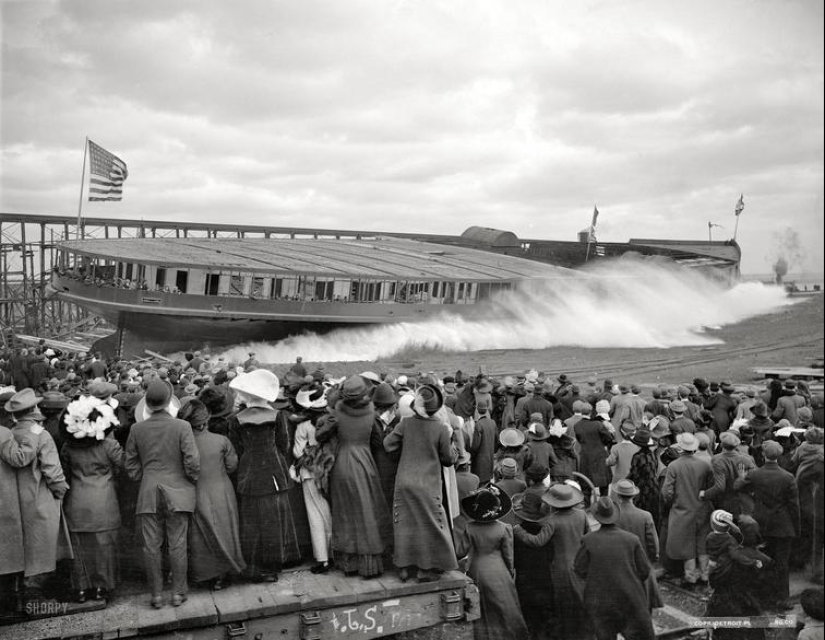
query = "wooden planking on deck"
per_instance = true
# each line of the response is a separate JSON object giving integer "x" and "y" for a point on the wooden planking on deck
{"x": 295, "y": 592}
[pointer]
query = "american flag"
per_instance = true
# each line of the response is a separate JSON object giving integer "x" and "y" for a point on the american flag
{"x": 740, "y": 204}
{"x": 106, "y": 174}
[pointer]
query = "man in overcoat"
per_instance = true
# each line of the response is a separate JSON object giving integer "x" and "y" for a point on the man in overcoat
{"x": 688, "y": 519}
{"x": 161, "y": 454}
{"x": 776, "y": 509}
{"x": 727, "y": 467}
{"x": 614, "y": 567}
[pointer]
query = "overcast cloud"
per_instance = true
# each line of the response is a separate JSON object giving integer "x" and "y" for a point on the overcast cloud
{"x": 427, "y": 116}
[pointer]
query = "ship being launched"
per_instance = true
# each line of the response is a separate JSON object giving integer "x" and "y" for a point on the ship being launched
{"x": 175, "y": 294}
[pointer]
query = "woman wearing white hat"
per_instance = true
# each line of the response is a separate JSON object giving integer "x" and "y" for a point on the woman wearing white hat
{"x": 268, "y": 534}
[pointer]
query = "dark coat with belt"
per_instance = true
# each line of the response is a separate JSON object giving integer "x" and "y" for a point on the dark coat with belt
{"x": 161, "y": 454}
{"x": 776, "y": 500}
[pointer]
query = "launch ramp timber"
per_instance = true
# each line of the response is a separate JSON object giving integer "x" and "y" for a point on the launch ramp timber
{"x": 300, "y": 605}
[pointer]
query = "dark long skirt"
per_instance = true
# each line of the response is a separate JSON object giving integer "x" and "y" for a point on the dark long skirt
{"x": 95, "y": 563}
{"x": 269, "y": 538}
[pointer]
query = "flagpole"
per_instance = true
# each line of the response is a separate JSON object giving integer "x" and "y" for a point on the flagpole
{"x": 82, "y": 181}
{"x": 709, "y": 237}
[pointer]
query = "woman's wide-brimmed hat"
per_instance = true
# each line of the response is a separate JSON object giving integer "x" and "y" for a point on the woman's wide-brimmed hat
{"x": 22, "y": 400}
{"x": 354, "y": 388}
{"x": 487, "y": 504}
{"x": 530, "y": 506}
{"x": 260, "y": 383}
{"x": 605, "y": 510}
{"x": 563, "y": 496}
{"x": 312, "y": 397}
{"x": 511, "y": 437}
{"x": 537, "y": 432}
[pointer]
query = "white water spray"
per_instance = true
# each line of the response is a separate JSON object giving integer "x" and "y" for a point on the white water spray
{"x": 628, "y": 303}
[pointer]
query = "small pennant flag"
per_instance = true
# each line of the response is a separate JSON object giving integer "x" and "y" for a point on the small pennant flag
{"x": 106, "y": 174}
{"x": 740, "y": 205}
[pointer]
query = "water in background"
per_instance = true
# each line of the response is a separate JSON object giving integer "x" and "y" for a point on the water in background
{"x": 623, "y": 303}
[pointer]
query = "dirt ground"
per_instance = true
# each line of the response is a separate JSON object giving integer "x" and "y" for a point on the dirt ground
{"x": 791, "y": 337}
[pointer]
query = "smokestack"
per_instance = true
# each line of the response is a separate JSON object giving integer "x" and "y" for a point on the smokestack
{"x": 780, "y": 268}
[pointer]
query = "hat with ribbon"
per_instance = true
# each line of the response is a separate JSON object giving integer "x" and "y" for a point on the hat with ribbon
{"x": 605, "y": 511}
{"x": 537, "y": 432}
{"x": 312, "y": 397}
{"x": 563, "y": 496}
{"x": 53, "y": 400}
{"x": 529, "y": 506}
{"x": 626, "y": 488}
{"x": 428, "y": 400}
{"x": 217, "y": 400}
{"x": 487, "y": 504}
{"x": 721, "y": 520}
{"x": 194, "y": 412}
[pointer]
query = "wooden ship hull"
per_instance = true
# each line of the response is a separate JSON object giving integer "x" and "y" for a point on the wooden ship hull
{"x": 173, "y": 294}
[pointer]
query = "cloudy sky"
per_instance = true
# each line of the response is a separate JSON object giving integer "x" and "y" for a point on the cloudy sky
{"x": 428, "y": 116}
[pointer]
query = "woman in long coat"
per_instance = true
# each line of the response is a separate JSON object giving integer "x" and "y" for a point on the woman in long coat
{"x": 214, "y": 538}
{"x": 40, "y": 487}
{"x": 423, "y": 541}
{"x": 93, "y": 513}
{"x": 568, "y": 526}
{"x": 13, "y": 455}
{"x": 533, "y": 579}
{"x": 361, "y": 528}
{"x": 489, "y": 545}
{"x": 595, "y": 439}
{"x": 269, "y": 537}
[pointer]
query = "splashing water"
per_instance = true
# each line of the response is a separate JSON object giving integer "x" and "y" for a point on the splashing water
{"x": 624, "y": 303}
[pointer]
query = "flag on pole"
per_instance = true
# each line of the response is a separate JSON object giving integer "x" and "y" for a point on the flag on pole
{"x": 740, "y": 205}
{"x": 106, "y": 174}
{"x": 593, "y": 224}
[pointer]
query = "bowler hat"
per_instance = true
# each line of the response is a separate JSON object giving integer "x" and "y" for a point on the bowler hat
{"x": 158, "y": 395}
{"x": 487, "y": 504}
{"x": 260, "y": 383}
{"x": 511, "y": 437}
{"x": 626, "y": 488}
{"x": 790, "y": 383}
{"x": 529, "y": 506}
{"x": 537, "y": 472}
{"x": 605, "y": 511}
{"x": 563, "y": 496}
{"x": 22, "y": 400}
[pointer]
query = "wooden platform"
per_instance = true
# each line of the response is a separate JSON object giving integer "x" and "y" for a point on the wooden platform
{"x": 795, "y": 373}
{"x": 300, "y": 605}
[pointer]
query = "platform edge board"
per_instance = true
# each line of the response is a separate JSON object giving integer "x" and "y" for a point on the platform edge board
{"x": 231, "y": 604}
{"x": 198, "y": 611}
{"x": 331, "y": 590}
